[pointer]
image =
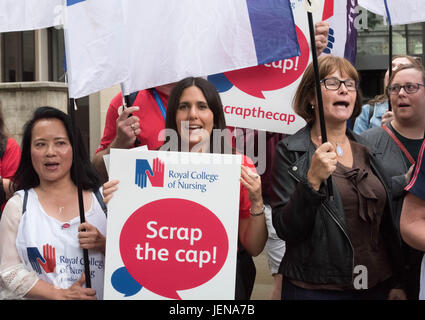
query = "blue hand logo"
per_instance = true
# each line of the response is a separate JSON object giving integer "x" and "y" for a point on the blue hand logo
{"x": 33, "y": 255}
{"x": 141, "y": 177}
{"x": 331, "y": 41}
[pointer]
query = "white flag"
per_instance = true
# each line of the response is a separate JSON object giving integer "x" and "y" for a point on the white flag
{"x": 169, "y": 39}
{"x": 21, "y": 15}
{"x": 261, "y": 97}
{"x": 397, "y": 11}
{"x": 94, "y": 46}
{"x": 154, "y": 43}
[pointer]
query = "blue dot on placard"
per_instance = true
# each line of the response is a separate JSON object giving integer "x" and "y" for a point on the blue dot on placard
{"x": 221, "y": 82}
{"x": 124, "y": 283}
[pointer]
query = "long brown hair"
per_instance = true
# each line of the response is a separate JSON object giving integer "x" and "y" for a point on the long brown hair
{"x": 214, "y": 103}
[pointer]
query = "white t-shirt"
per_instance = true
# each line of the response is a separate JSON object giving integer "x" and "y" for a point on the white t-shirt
{"x": 50, "y": 248}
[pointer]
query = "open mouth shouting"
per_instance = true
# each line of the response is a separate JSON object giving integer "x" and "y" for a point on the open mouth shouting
{"x": 51, "y": 165}
{"x": 403, "y": 105}
{"x": 341, "y": 103}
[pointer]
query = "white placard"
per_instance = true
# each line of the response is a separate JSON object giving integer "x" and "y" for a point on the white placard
{"x": 172, "y": 225}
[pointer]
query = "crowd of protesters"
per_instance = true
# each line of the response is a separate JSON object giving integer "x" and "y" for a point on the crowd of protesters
{"x": 330, "y": 215}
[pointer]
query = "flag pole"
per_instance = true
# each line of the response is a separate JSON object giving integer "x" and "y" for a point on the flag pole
{"x": 390, "y": 46}
{"x": 76, "y": 163}
{"x": 126, "y": 104}
{"x": 77, "y": 171}
{"x": 318, "y": 90}
{"x": 390, "y": 58}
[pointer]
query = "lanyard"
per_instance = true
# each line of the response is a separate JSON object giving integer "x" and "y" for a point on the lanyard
{"x": 159, "y": 102}
{"x": 400, "y": 145}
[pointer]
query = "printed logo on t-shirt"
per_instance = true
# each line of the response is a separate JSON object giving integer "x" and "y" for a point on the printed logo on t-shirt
{"x": 47, "y": 261}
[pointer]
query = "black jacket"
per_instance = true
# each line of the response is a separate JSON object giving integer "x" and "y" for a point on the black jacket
{"x": 318, "y": 246}
{"x": 386, "y": 150}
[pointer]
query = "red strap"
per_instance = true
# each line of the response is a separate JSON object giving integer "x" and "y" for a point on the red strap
{"x": 400, "y": 145}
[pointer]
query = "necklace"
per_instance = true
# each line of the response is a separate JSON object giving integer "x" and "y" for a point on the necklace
{"x": 339, "y": 150}
{"x": 338, "y": 147}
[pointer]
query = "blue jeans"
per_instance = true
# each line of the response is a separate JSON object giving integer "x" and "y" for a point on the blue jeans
{"x": 293, "y": 292}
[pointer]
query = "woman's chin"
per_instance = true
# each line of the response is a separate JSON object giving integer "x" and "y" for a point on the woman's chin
{"x": 198, "y": 142}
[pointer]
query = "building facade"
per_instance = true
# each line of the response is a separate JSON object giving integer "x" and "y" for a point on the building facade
{"x": 372, "y": 59}
{"x": 32, "y": 74}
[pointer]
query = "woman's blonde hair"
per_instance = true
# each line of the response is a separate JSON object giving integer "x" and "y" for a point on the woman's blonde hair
{"x": 306, "y": 91}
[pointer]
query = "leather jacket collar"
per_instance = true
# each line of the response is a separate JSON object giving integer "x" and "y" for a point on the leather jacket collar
{"x": 301, "y": 141}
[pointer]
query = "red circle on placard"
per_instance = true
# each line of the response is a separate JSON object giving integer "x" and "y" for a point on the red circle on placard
{"x": 272, "y": 76}
{"x": 190, "y": 232}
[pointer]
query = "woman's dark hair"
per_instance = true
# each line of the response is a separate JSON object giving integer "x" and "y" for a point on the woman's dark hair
{"x": 214, "y": 103}
{"x": 26, "y": 177}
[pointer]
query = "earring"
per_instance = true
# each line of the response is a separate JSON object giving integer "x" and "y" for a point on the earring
{"x": 312, "y": 106}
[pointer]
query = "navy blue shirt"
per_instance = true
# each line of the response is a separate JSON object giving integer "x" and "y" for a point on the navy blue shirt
{"x": 417, "y": 182}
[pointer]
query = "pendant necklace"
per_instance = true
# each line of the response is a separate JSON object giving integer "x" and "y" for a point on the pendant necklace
{"x": 339, "y": 150}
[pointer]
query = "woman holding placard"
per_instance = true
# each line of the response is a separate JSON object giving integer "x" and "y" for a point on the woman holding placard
{"x": 40, "y": 232}
{"x": 195, "y": 115}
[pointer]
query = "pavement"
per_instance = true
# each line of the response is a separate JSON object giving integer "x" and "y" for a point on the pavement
{"x": 263, "y": 285}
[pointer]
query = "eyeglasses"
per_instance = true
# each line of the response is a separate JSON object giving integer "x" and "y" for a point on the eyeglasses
{"x": 335, "y": 83}
{"x": 408, "y": 87}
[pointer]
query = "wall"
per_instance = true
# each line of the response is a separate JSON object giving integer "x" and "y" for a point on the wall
{"x": 20, "y": 99}
{"x": 99, "y": 103}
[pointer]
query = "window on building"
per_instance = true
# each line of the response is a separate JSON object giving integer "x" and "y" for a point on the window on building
{"x": 372, "y": 58}
{"x": 18, "y": 62}
{"x": 373, "y": 42}
{"x": 57, "y": 69}
{"x": 56, "y": 55}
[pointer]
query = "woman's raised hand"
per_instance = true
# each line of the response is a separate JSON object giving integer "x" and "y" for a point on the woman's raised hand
{"x": 252, "y": 182}
{"x": 323, "y": 164}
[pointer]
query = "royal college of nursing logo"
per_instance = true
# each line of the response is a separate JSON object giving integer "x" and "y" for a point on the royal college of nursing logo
{"x": 47, "y": 261}
{"x": 145, "y": 171}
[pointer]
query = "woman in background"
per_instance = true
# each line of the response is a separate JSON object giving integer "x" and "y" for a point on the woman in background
{"x": 10, "y": 155}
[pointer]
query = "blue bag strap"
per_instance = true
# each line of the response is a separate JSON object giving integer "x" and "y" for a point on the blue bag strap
{"x": 99, "y": 198}
{"x": 24, "y": 203}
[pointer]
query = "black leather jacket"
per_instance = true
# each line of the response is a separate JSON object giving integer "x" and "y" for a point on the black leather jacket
{"x": 318, "y": 246}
